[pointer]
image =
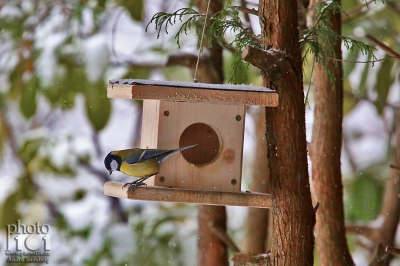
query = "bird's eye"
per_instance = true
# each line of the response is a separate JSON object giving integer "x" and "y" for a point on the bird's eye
{"x": 114, "y": 165}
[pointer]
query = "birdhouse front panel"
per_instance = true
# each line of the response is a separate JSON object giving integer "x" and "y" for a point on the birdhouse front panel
{"x": 216, "y": 163}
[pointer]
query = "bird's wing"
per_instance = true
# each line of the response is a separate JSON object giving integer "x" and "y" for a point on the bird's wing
{"x": 146, "y": 154}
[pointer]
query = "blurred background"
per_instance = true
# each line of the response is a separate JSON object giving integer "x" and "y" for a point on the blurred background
{"x": 57, "y": 125}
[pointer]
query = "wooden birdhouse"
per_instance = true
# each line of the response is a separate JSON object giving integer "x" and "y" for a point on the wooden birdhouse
{"x": 177, "y": 114}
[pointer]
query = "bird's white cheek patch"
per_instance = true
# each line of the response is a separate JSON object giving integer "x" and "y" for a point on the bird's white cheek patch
{"x": 114, "y": 165}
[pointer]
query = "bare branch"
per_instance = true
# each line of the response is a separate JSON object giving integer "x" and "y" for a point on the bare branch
{"x": 395, "y": 169}
{"x": 223, "y": 236}
{"x": 115, "y": 202}
{"x": 380, "y": 257}
{"x": 358, "y": 10}
{"x": 384, "y": 47}
{"x": 392, "y": 250}
{"x": 363, "y": 230}
{"x": 246, "y": 10}
{"x": 273, "y": 63}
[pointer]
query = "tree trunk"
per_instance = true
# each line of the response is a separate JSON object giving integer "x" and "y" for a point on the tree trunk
{"x": 391, "y": 205}
{"x": 210, "y": 249}
{"x": 292, "y": 212}
{"x": 325, "y": 155}
{"x": 256, "y": 228}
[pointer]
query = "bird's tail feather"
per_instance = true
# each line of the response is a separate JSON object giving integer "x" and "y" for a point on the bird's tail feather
{"x": 164, "y": 156}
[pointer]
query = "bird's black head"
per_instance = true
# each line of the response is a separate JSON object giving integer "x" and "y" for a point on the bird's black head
{"x": 112, "y": 162}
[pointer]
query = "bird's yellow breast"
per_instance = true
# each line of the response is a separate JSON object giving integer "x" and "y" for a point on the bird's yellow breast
{"x": 146, "y": 168}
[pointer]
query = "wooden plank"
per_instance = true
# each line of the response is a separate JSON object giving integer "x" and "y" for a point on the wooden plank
{"x": 248, "y": 199}
{"x": 224, "y": 172}
{"x": 213, "y": 93}
{"x": 191, "y": 85}
{"x": 150, "y": 128}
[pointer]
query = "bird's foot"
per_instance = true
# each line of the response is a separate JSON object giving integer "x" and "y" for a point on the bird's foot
{"x": 133, "y": 185}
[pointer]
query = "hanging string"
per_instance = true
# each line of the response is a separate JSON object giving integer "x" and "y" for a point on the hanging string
{"x": 201, "y": 43}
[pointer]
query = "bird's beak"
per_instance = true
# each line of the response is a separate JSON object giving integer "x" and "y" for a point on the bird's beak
{"x": 110, "y": 172}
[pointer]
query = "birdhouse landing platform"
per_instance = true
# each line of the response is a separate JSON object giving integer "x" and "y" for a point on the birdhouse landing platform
{"x": 177, "y": 114}
{"x": 208, "y": 197}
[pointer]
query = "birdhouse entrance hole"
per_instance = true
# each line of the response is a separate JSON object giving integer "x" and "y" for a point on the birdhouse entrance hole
{"x": 209, "y": 144}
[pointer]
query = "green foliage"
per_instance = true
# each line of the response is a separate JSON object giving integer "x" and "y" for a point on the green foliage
{"x": 193, "y": 20}
{"x": 349, "y": 67}
{"x": 228, "y": 20}
{"x": 9, "y": 207}
{"x": 98, "y": 106}
{"x": 35, "y": 161}
{"x": 29, "y": 149}
{"x": 218, "y": 26}
{"x": 384, "y": 81}
{"x": 28, "y": 101}
{"x": 3, "y": 133}
{"x": 366, "y": 197}
{"x": 157, "y": 241}
{"x": 134, "y": 7}
{"x": 98, "y": 257}
{"x": 178, "y": 73}
{"x": 101, "y": 3}
{"x": 233, "y": 65}
{"x": 348, "y": 102}
{"x": 137, "y": 72}
{"x": 320, "y": 39}
{"x": 362, "y": 87}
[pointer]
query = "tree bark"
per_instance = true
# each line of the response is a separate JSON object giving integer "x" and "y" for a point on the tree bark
{"x": 390, "y": 211}
{"x": 256, "y": 228}
{"x": 325, "y": 155}
{"x": 210, "y": 249}
{"x": 292, "y": 212}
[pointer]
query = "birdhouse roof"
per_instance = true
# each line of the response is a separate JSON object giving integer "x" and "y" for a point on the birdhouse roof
{"x": 192, "y": 92}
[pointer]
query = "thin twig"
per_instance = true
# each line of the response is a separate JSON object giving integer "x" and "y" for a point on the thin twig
{"x": 380, "y": 257}
{"x": 223, "y": 236}
{"x": 355, "y": 10}
{"x": 393, "y": 6}
{"x": 362, "y": 62}
{"x": 361, "y": 98}
{"x": 392, "y": 250}
{"x": 96, "y": 143}
{"x": 246, "y": 10}
{"x": 115, "y": 202}
{"x": 316, "y": 207}
{"x": 349, "y": 152}
{"x": 384, "y": 47}
{"x": 227, "y": 46}
{"x": 395, "y": 168}
{"x": 371, "y": 233}
{"x": 201, "y": 43}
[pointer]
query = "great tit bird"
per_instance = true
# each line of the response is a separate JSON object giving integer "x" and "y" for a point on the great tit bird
{"x": 141, "y": 163}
